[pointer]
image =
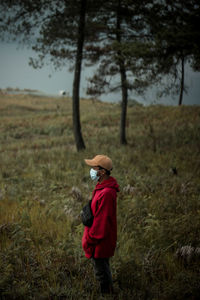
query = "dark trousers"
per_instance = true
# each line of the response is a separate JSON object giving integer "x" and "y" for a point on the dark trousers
{"x": 103, "y": 274}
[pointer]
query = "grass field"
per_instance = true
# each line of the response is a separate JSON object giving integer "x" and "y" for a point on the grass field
{"x": 44, "y": 182}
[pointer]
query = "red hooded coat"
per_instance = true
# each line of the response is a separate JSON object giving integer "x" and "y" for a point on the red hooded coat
{"x": 100, "y": 239}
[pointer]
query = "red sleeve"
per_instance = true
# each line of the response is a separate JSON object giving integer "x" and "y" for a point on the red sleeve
{"x": 100, "y": 226}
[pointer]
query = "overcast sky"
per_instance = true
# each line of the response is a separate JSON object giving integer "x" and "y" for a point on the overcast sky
{"x": 15, "y": 72}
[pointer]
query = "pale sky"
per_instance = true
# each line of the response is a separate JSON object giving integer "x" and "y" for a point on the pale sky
{"x": 15, "y": 72}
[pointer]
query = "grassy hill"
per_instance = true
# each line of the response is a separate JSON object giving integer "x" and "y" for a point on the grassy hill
{"x": 44, "y": 183}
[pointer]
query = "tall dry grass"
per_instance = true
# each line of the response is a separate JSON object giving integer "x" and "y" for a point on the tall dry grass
{"x": 44, "y": 183}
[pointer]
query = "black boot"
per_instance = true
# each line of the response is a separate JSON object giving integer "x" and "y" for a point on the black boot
{"x": 106, "y": 288}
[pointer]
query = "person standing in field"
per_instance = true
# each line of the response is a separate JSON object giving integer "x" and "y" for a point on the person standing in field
{"x": 99, "y": 240}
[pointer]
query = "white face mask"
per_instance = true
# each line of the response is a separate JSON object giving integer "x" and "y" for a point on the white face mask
{"x": 93, "y": 175}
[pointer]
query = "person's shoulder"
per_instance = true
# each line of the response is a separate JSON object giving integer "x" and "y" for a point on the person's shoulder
{"x": 108, "y": 191}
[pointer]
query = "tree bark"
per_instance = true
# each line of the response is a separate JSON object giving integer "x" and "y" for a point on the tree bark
{"x": 182, "y": 82}
{"x": 123, "y": 140}
{"x": 77, "y": 77}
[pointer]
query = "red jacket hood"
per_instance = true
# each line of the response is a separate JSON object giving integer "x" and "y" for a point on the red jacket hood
{"x": 111, "y": 182}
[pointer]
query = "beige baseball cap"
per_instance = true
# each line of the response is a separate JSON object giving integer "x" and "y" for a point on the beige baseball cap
{"x": 100, "y": 160}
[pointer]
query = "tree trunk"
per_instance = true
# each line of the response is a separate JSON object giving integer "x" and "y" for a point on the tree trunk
{"x": 123, "y": 140}
{"x": 123, "y": 106}
{"x": 77, "y": 76}
{"x": 182, "y": 82}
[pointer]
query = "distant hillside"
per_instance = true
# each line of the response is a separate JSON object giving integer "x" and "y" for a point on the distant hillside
{"x": 14, "y": 90}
